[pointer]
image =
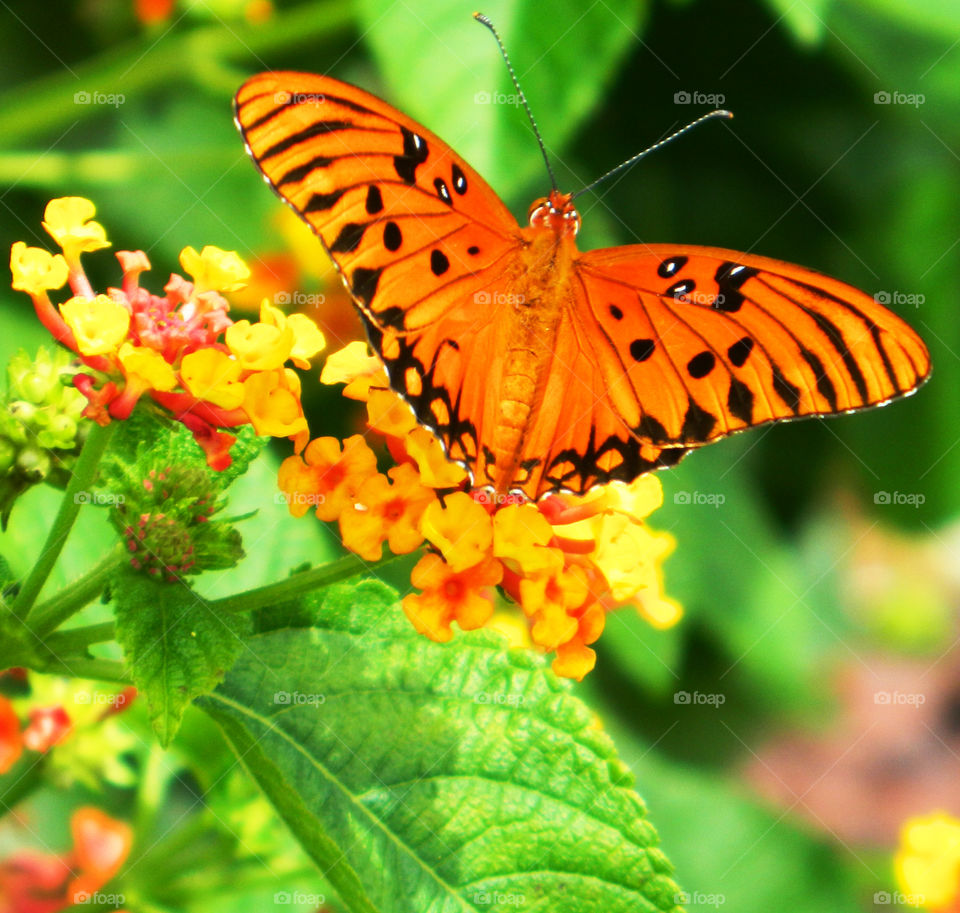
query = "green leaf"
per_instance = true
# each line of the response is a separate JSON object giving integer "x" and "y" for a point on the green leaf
{"x": 806, "y": 21}
{"x": 454, "y": 777}
{"x": 445, "y": 71}
{"x": 176, "y": 647}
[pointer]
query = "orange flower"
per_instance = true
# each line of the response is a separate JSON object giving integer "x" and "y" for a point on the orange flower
{"x": 385, "y": 512}
{"x": 450, "y": 596}
{"x": 547, "y": 598}
{"x": 520, "y": 537}
{"x": 326, "y": 476}
{"x": 11, "y": 741}
{"x": 101, "y": 844}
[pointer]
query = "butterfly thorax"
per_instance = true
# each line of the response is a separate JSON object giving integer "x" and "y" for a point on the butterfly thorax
{"x": 531, "y": 321}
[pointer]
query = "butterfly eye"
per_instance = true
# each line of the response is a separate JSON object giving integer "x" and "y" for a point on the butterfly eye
{"x": 538, "y": 212}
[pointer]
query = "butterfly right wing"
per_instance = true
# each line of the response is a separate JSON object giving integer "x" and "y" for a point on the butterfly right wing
{"x": 415, "y": 232}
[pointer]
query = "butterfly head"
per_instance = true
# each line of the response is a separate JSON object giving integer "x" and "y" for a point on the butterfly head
{"x": 556, "y": 213}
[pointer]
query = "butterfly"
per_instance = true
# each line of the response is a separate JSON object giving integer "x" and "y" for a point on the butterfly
{"x": 540, "y": 367}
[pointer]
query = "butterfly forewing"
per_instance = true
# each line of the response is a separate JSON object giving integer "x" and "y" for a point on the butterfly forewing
{"x": 414, "y": 230}
{"x": 715, "y": 341}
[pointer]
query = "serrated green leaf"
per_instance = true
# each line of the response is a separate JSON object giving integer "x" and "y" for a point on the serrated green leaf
{"x": 431, "y": 777}
{"x": 176, "y": 647}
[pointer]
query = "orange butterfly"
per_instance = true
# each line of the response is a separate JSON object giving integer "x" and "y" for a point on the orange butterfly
{"x": 541, "y": 367}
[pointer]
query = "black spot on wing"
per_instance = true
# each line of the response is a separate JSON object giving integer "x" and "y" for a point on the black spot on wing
{"x": 701, "y": 365}
{"x": 442, "y": 191}
{"x": 729, "y": 278}
{"x": 652, "y": 430}
{"x": 697, "y": 423}
{"x": 363, "y": 283}
{"x": 641, "y": 349}
{"x": 459, "y": 179}
{"x": 787, "y": 391}
{"x": 439, "y": 263}
{"x": 740, "y": 351}
{"x": 671, "y": 266}
{"x": 374, "y": 199}
{"x": 320, "y": 202}
{"x": 415, "y": 153}
{"x": 349, "y": 238}
{"x": 740, "y": 401}
{"x": 392, "y": 236}
{"x": 824, "y": 384}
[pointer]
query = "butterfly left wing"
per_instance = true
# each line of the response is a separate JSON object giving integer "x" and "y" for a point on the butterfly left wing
{"x": 413, "y": 229}
{"x": 695, "y": 343}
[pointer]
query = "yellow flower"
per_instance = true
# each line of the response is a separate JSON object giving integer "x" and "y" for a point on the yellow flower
{"x": 450, "y": 596}
{"x": 214, "y": 376}
{"x": 99, "y": 324}
{"x": 460, "y": 528}
{"x": 307, "y": 338}
{"x": 327, "y": 477}
{"x": 639, "y": 499}
{"x": 271, "y": 400}
{"x": 385, "y": 512}
{"x": 520, "y": 537}
{"x": 36, "y": 271}
{"x": 147, "y": 367}
{"x": 259, "y": 346}
{"x": 547, "y": 600}
{"x": 927, "y": 865}
{"x": 388, "y": 414}
{"x": 627, "y": 553}
{"x": 354, "y": 366}
{"x": 436, "y": 471}
{"x": 68, "y": 221}
{"x": 214, "y": 270}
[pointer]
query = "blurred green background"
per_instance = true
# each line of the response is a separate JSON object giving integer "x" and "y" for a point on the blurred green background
{"x": 817, "y": 562}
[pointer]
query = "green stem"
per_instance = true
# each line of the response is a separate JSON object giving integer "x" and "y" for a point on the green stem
{"x": 74, "y": 497}
{"x": 197, "y": 56}
{"x": 76, "y": 640}
{"x": 15, "y": 790}
{"x": 49, "y": 615}
{"x": 104, "y": 670}
{"x": 297, "y": 585}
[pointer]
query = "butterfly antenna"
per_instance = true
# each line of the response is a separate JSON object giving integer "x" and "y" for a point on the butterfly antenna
{"x": 523, "y": 98}
{"x": 669, "y": 139}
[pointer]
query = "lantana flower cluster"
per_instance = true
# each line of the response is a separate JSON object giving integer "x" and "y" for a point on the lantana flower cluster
{"x": 927, "y": 864}
{"x": 565, "y": 560}
{"x": 182, "y": 350}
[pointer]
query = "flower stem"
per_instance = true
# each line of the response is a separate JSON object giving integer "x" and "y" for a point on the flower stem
{"x": 74, "y": 497}
{"x": 49, "y": 615}
{"x": 316, "y": 578}
{"x": 76, "y": 640}
{"x": 104, "y": 670}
